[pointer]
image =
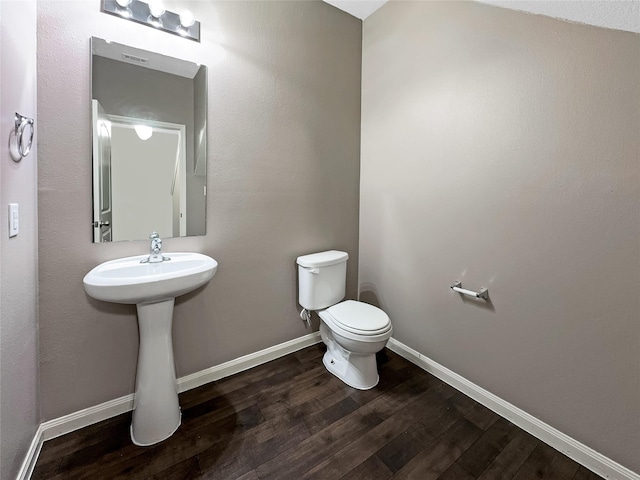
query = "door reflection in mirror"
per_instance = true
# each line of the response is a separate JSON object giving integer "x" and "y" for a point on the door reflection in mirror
{"x": 102, "y": 208}
{"x": 157, "y": 161}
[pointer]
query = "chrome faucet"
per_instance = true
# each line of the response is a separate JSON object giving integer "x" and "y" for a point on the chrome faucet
{"x": 155, "y": 250}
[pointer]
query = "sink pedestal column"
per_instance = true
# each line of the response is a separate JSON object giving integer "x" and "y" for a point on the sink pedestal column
{"x": 156, "y": 412}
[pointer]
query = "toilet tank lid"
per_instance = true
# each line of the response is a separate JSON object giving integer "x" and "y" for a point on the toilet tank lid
{"x": 323, "y": 259}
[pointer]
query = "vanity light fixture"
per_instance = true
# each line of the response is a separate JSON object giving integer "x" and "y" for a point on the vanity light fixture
{"x": 153, "y": 14}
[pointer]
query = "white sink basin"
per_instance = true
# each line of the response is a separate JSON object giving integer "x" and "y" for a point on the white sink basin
{"x": 126, "y": 280}
{"x": 153, "y": 288}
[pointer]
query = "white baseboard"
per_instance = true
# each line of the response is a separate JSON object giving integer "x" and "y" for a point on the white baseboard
{"x": 83, "y": 418}
{"x": 88, "y": 416}
{"x": 246, "y": 362}
{"x": 30, "y": 459}
{"x": 575, "y": 450}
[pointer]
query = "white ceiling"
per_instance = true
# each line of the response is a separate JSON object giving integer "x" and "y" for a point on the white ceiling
{"x": 617, "y": 14}
{"x": 358, "y": 8}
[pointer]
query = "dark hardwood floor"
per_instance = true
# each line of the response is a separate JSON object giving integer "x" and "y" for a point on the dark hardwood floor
{"x": 290, "y": 419}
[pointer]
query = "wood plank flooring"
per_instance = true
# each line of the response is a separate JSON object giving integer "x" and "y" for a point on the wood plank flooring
{"x": 290, "y": 419}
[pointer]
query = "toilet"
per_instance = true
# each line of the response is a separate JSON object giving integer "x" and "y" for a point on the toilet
{"x": 352, "y": 331}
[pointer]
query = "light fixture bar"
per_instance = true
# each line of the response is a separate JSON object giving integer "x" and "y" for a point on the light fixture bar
{"x": 140, "y": 12}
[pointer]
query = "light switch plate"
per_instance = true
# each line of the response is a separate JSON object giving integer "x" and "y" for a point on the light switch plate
{"x": 14, "y": 220}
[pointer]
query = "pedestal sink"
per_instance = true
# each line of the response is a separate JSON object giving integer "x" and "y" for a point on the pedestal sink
{"x": 152, "y": 287}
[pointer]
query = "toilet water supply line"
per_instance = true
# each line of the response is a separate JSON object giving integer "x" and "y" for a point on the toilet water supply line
{"x": 306, "y": 316}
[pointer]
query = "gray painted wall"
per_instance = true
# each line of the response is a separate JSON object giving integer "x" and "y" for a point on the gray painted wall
{"x": 19, "y": 416}
{"x": 502, "y": 149}
{"x": 283, "y": 180}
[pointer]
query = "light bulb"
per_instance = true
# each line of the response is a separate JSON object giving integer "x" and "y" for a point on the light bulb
{"x": 123, "y": 8}
{"x": 144, "y": 131}
{"x": 156, "y": 8}
{"x": 187, "y": 19}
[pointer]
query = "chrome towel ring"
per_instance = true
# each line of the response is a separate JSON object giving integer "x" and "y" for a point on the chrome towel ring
{"x": 22, "y": 148}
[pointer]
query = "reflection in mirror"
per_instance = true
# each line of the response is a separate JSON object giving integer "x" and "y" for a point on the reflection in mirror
{"x": 149, "y": 116}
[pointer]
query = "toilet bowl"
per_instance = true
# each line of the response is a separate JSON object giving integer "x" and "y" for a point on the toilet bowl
{"x": 352, "y": 331}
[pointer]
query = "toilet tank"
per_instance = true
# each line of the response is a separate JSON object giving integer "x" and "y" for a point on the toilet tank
{"x": 322, "y": 279}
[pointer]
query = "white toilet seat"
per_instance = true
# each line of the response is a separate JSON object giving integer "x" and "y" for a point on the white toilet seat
{"x": 357, "y": 321}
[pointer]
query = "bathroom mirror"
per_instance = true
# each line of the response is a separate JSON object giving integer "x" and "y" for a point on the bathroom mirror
{"x": 149, "y": 123}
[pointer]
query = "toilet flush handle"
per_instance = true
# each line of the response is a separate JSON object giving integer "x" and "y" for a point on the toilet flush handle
{"x": 314, "y": 271}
